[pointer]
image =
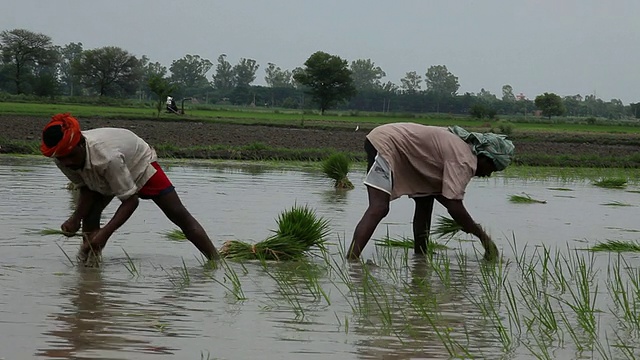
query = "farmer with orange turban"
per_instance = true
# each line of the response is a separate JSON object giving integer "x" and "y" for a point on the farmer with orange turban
{"x": 110, "y": 162}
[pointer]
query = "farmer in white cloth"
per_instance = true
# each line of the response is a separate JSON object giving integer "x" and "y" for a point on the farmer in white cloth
{"x": 427, "y": 163}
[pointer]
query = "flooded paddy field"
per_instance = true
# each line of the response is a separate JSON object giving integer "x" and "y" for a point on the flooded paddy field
{"x": 548, "y": 297}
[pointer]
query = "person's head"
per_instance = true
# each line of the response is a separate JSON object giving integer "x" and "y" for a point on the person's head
{"x": 63, "y": 140}
{"x": 494, "y": 151}
{"x": 485, "y": 167}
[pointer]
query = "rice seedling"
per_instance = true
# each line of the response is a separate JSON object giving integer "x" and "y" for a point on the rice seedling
{"x": 231, "y": 276}
{"x": 559, "y": 189}
{"x": 130, "y": 265}
{"x": 408, "y": 243}
{"x": 616, "y": 246}
{"x": 48, "y": 231}
{"x": 616, "y": 203}
{"x": 299, "y": 230}
{"x": 175, "y": 235}
{"x": 525, "y": 199}
{"x": 611, "y": 183}
{"x": 445, "y": 227}
{"x": 336, "y": 167}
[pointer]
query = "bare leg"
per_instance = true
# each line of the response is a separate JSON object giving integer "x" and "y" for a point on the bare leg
{"x": 173, "y": 208}
{"x": 377, "y": 210}
{"x": 422, "y": 223}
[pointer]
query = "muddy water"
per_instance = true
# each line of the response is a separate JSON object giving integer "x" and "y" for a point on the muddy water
{"x": 49, "y": 309}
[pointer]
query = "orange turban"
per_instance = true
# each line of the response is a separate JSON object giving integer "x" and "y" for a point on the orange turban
{"x": 71, "y": 135}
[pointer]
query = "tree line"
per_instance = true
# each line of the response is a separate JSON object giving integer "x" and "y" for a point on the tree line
{"x": 32, "y": 65}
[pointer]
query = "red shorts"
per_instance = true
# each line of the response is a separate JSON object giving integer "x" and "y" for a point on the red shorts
{"x": 158, "y": 185}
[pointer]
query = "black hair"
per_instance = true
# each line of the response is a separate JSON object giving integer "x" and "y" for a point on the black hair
{"x": 52, "y": 135}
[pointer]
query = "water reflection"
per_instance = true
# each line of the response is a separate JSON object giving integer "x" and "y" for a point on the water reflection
{"x": 92, "y": 321}
{"x": 423, "y": 313}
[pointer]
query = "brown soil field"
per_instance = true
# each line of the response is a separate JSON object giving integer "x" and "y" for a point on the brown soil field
{"x": 183, "y": 135}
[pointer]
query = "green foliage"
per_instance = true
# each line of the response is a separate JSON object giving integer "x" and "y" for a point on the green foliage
{"x": 616, "y": 246}
{"x": 440, "y": 81}
{"x": 327, "y": 78}
{"x": 336, "y": 167}
{"x": 23, "y": 52}
{"x": 162, "y": 88}
{"x": 550, "y": 104}
{"x": 108, "y": 70}
{"x": 299, "y": 229}
{"x": 611, "y": 183}
{"x": 445, "y": 227}
{"x": 366, "y": 75}
{"x": 481, "y": 111}
{"x": 525, "y": 199}
{"x": 175, "y": 235}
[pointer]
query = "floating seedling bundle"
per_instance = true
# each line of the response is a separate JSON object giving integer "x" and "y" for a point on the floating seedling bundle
{"x": 299, "y": 230}
{"x": 337, "y": 167}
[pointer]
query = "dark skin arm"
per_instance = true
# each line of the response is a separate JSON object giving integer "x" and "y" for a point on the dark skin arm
{"x": 124, "y": 212}
{"x": 459, "y": 213}
{"x": 85, "y": 200}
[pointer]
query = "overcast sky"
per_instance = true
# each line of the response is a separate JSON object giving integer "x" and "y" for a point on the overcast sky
{"x": 563, "y": 46}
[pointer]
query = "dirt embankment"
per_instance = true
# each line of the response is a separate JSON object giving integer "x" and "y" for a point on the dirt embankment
{"x": 191, "y": 139}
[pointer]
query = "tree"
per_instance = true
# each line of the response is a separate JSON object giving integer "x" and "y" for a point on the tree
{"x": 245, "y": 72}
{"x": 69, "y": 53}
{"x": 439, "y": 80}
{"x": 108, "y": 70}
{"x": 276, "y": 77}
{"x": 441, "y": 83}
{"x": 223, "y": 78}
{"x": 328, "y": 79}
{"x": 190, "y": 73}
{"x": 366, "y": 75}
{"x": 507, "y": 93}
{"x": 160, "y": 86}
{"x": 22, "y": 50}
{"x": 550, "y": 104}
{"x": 411, "y": 82}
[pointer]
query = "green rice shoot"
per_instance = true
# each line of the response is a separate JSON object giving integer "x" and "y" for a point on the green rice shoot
{"x": 336, "y": 167}
{"x": 617, "y": 203}
{"x": 408, "y": 244}
{"x": 616, "y": 246}
{"x": 445, "y": 227}
{"x": 611, "y": 183}
{"x": 48, "y": 231}
{"x": 525, "y": 199}
{"x": 175, "y": 235}
{"x": 299, "y": 230}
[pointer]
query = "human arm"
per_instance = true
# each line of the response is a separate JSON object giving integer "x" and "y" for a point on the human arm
{"x": 459, "y": 213}
{"x": 128, "y": 206}
{"x": 85, "y": 200}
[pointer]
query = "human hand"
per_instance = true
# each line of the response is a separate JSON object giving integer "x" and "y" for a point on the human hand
{"x": 71, "y": 226}
{"x": 96, "y": 240}
{"x": 491, "y": 252}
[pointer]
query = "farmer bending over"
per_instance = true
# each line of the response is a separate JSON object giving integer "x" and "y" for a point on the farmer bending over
{"x": 108, "y": 162}
{"x": 427, "y": 163}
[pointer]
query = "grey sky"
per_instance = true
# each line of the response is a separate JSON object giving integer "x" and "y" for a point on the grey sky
{"x": 564, "y": 46}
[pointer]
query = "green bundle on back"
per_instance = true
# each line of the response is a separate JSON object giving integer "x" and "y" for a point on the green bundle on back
{"x": 299, "y": 229}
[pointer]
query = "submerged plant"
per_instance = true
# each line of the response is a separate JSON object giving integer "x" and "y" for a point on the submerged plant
{"x": 299, "y": 229}
{"x": 337, "y": 167}
{"x": 616, "y": 203}
{"x": 611, "y": 183}
{"x": 408, "y": 243}
{"x": 616, "y": 246}
{"x": 525, "y": 199}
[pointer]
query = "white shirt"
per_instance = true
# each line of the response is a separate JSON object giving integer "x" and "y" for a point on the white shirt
{"x": 118, "y": 163}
